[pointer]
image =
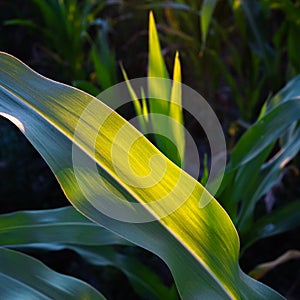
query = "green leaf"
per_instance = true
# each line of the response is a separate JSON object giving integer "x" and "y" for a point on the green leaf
{"x": 278, "y": 221}
{"x": 140, "y": 108}
{"x": 145, "y": 282}
{"x": 164, "y": 115}
{"x": 62, "y": 225}
{"x": 61, "y": 228}
{"x": 267, "y": 130}
{"x": 165, "y": 100}
{"x": 176, "y": 111}
{"x": 252, "y": 171}
{"x": 207, "y": 9}
{"x": 86, "y": 86}
{"x": 290, "y": 90}
{"x": 157, "y": 67}
{"x": 22, "y": 276}
{"x": 200, "y": 246}
{"x": 104, "y": 63}
{"x": 250, "y": 176}
{"x": 252, "y": 9}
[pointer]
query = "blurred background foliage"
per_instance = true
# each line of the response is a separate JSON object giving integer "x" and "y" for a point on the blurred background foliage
{"x": 236, "y": 53}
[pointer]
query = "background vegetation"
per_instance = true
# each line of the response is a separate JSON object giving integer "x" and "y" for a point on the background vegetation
{"x": 239, "y": 61}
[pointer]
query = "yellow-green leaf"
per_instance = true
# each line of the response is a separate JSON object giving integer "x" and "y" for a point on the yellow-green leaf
{"x": 104, "y": 164}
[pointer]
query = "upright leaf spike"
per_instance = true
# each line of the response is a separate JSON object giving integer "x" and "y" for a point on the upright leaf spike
{"x": 207, "y": 9}
{"x": 140, "y": 108}
{"x": 157, "y": 66}
{"x": 175, "y": 113}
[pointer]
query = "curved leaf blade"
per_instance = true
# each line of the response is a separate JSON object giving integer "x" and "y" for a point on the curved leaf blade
{"x": 199, "y": 245}
{"x": 278, "y": 221}
{"x": 65, "y": 228}
{"x": 142, "y": 278}
{"x": 40, "y": 283}
{"x": 62, "y": 225}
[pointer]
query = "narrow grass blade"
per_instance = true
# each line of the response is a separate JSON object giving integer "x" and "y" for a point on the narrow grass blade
{"x": 207, "y": 9}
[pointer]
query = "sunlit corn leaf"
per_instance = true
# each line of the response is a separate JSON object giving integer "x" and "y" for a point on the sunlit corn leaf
{"x": 23, "y": 277}
{"x": 140, "y": 107}
{"x": 176, "y": 113}
{"x": 200, "y": 246}
{"x": 164, "y": 100}
{"x": 157, "y": 68}
{"x": 156, "y": 61}
{"x": 161, "y": 98}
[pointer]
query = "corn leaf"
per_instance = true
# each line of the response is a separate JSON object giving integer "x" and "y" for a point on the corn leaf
{"x": 159, "y": 95}
{"x": 23, "y": 277}
{"x": 278, "y": 221}
{"x": 62, "y": 225}
{"x": 142, "y": 278}
{"x": 157, "y": 66}
{"x": 176, "y": 113}
{"x": 140, "y": 107}
{"x": 144, "y": 281}
{"x": 200, "y": 246}
{"x": 207, "y": 9}
{"x": 165, "y": 100}
{"x": 65, "y": 228}
{"x": 252, "y": 10}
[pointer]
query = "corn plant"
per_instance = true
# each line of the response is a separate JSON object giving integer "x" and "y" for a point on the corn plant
{"x": 147, "y": 110}
{"x": 254, "y": 169}
{"x": 200, "y": 245}
{"x": 74, "y": 20}
{"x": 232, "y": 44}
{"x": 187, "y": 25}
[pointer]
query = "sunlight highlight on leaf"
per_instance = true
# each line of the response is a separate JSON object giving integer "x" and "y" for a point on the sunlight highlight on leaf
{"x": 14, "y": 120}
